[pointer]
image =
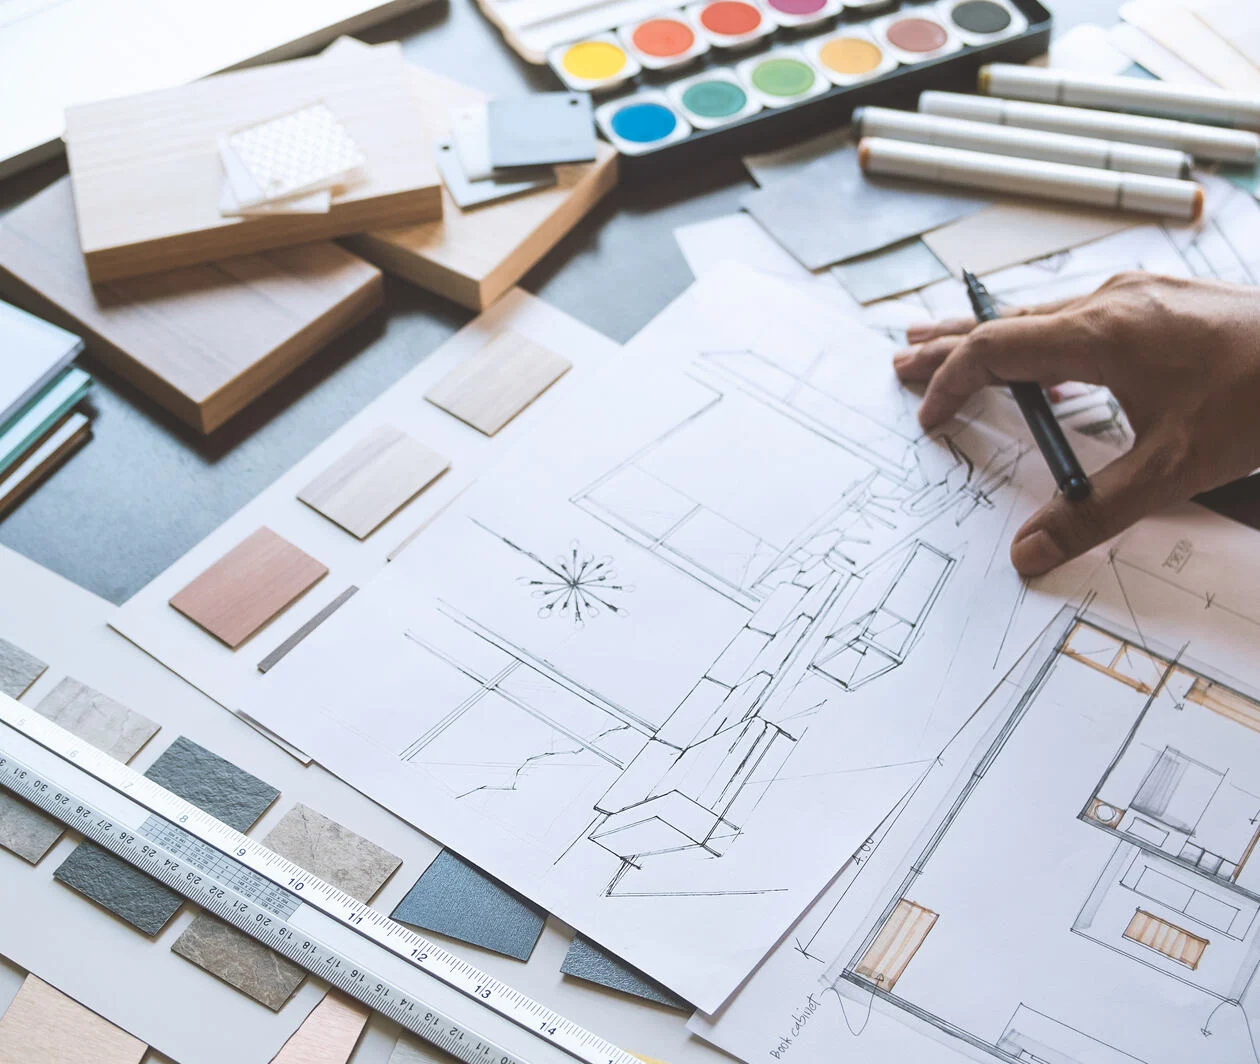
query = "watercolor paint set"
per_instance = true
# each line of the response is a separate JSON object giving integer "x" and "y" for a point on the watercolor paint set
{"x": 758, "y": 72}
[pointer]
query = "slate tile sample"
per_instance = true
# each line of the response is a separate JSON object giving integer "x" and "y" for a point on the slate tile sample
{"x": 586, "y": 960}
{"x": 18, "y": 669}
{"x": 95, "y": 718}
{"x": 457, "y": 899}
{"x": 198, "y": 776}
{"x": 320, "y": 845}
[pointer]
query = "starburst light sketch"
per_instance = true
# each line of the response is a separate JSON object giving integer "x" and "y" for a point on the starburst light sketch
{"x": 577, "y": 585}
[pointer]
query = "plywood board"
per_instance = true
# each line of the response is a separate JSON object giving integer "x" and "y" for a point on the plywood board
{"x": 44, "y": 460}
{"x": 254, "y": 582}
{"x": 147, "y": 174}
{"x": 368, "y": 484}
{"x": 474, "y": 256}
{"x": 489, "y": 389}
{"x": 42, "y": 1024}
{"x": 329, "y": 1034}
{"x": 202, "y": 341}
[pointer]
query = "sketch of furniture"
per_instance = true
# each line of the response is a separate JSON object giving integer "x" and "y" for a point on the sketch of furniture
{"x": 1174, "y": 899}
{"x": 839, "y": 591}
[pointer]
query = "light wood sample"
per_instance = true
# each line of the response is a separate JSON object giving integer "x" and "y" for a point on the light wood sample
{"x": 202, "y": 341}
{"x": 474, "y": 256}
{"x": 147, "y": 174}
{"x": 43, "y": 1026}
{"x": 373, "y": 480}
{"x": 328, "y": 1035}
{"x": 251, "y": 584}
{"x": 491, "y": 387}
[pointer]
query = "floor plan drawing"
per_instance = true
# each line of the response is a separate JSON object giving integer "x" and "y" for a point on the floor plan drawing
{"x": 1138, "y": 770}
{"x": 664, "y": 681}
{"x": 1074, "y": 879}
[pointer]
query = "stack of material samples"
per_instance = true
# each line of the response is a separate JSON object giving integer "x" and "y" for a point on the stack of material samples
{"x": 294, "y": 162}
{"x": 510, "y": 146}
{"x": 40, "y": 426}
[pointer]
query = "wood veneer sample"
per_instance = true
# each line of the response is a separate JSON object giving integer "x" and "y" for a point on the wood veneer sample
{"x": 251, "y": 584}
{"x": 336, "y": 855}
{"x": 491, "y": 387}
{"x": 203, "y": 341}
{"x": 43, "y": 460}
{"x": 44, "y": 1026}
{"x": 328, "y": 1035}
{"x": 373, "y": 480}
{"x": 93, "y": 717}
{"x": 147, "y": 174}
{"x": 474, "y": 256}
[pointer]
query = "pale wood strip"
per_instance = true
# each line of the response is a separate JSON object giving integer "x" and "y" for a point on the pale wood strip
{"x": 42, "y": 1024}
{"x": 328, "y": 1035}
{"x": 896, "y": 944}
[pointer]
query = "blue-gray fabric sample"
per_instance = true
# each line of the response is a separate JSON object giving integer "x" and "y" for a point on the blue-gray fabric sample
{"x": 198, "y": 776}
{"x": 585, "y": 960}
{"x": 457, "y": 899}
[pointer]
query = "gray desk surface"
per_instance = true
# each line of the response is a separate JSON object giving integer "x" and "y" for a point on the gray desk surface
{"x": 146, "y": 489}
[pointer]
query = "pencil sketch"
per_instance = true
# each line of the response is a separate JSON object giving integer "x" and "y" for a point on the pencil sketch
{"x": 836, "y": 604}
{"x": 1174, "y": 755}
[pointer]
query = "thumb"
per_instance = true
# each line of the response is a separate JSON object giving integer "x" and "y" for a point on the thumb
{"x": 1135, "y": 484}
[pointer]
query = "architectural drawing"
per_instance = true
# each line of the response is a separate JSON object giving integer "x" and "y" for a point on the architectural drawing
{"x": 837, "y": 601}
{"x": 1149, "y": 793}
{"x": 663, "y": 681}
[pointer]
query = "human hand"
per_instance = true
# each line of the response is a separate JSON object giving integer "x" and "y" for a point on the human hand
{"x": 1182, "y": 357}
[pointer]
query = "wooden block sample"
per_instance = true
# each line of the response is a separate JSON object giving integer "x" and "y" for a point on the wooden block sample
{"x": 498, "y": 382}
{"x": 202, "y": 341}
{"x": 328, "y": 1035}
{"x": 474, "y": 256}
{"x": 147, "y": 174}
{"x": 373, "y": 480}
{"x": 250, "y": 585}
{"x": 43, "y": 1025}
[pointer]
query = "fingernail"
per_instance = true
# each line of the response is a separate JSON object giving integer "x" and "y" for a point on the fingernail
{"x": 1036, "y": 554}
{"x": 919, "y": 331}
{"x": 903, "y": 358}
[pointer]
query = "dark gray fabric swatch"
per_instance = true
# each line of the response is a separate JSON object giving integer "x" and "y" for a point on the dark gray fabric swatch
{"x": 457, "y": 899}
{"x": 18, "y": 669}
{"x": 585, "y": 960}
{"x": 195, "y": 774}
{"x": 830, "y": 211}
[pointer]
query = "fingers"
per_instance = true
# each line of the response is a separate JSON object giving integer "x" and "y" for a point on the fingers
{"x": 921, "y": 332}
{"x": 1049, "y": 349}
{"x": 1136, "y": 484}
{"x": 920, "y": 362}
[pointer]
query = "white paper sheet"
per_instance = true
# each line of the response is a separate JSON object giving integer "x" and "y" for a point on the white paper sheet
{"x": 1115, "y": 775}
{"x": 664, "y": 671}
{"x": 147, "y": 618}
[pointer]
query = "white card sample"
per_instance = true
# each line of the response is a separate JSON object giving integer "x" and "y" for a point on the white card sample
{"x": 666, "y": 669}
{"x": 471, "y": 136}
{"x": 302, "y": 151}
{"x": 32, "y": 353}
